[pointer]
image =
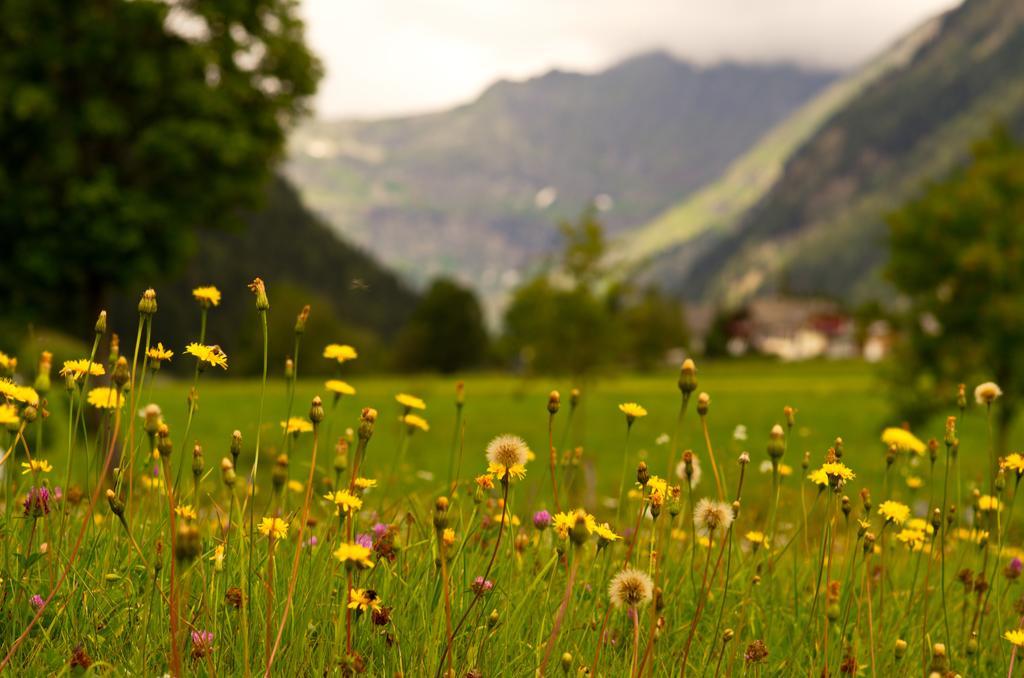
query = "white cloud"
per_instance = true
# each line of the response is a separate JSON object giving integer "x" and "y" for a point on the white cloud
{"x": 399, "y": 56}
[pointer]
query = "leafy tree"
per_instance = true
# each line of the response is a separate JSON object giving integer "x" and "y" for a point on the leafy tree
{"x": 446, "y": 332}
{"x": 650, "y": 323}
{"x": 958, "y": 257}
{"x": 584, "y": 248}
{"x": 127, "y": 125}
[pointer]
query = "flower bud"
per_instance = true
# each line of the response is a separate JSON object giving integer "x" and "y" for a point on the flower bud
{"x": 316, "y": 411}
{"x": 163, "y": 443}
{"x": 776, "y": 445}
{"x": 300, "y": 321}
{"x": 121, "y": 373}
{"x": 147, "y": 304}
{"x": 900, "y": 648}
{"x": 227, "y": 473}
{"x": 197, "y": 461}
{"x": 260, "y": 290}
{"x": 116, "y": 505}
{"x": 101, "y": 323}
{"x": 703, "y": 403}
{"x": 566, "y": 662}
{"x": 574, "y": 398}
{"x": 367, "y": 419}
{"x": 236, "y": 446}
{"x": 554, "y": 401}
{"x": 688, "y": 377}
{"x": 492, "y": 620}
{"x": 642, "y": 474}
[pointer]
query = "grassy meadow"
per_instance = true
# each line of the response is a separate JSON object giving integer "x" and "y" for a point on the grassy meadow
{"x": 400, "y": 573}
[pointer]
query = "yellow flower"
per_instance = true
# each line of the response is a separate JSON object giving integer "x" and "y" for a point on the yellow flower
{"x": 1016, "y": 637}
{"x": 903, "y": 440}
{"x": 207, "y": 296}
{"x": 508, "y": 517}
{"x": 839, "y": 471}
{"x": 357, "y": 554}
{"x": 987, "y": 503}
{"x": 105, "y": 398}
{"x": 340, "y": 352}
{"x": 515, "y": 472}
{"x": 410, "y": 402}
{"x": 76, "y": 368}
{"x": 604, "y": 531}
{"x": 914, "y": 539}
{"x": 819, "y": 477}
{"x": 344, "y": 500}
{"x": 36, "y": 466}
{"x": 632, "y": 411}
{"x": 208, "y": 354}
{"x": 158, "y": 353}
{"x": 755, "y": 537}
{"x": 275, "y": 528}
{"x": 564, "y": 522}
{"x": 894, "y": 512}
{"x": 339, "y": 387}
{"x": 1014, "y": 462}
{"x": 414, "y": 421}
{"x": 151, "y": 483}
{"x": 785, "y": 470}
{"x": 295, "y": 486}
{"x": 21, "y": 394}
{"x": 658, "y": 485}
{"x": 921, "y": 525}
{"x": 8, "y": 415}
{"x": 187, "y": 512}
{"x": 218, "y": 558}
{"x": 297, "y": 425}
{"x": 915, "y": 482}
{"x": 485, "y": 481}
{"x": 7, "y": 363}
{"x": 363, "y": 600}
{"x": 448, "y": 536}
{"x": 365, "y": 483}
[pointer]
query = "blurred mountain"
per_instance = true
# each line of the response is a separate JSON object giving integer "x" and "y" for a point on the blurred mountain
{"x": 475, "y": 191}
{"x": 354, "y": 299}
{"x": 819, "y": 228}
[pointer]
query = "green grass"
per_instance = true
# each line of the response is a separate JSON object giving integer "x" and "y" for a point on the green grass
{"x": 111, "y": 608}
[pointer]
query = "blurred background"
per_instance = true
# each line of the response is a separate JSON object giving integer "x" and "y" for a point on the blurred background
{"x": 570, "y": 187}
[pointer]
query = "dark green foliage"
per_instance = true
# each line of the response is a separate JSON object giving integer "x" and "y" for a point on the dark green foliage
{"x": 446, "y": 331}
{"x": 958, "y": 256}
{"x": 125, "y": 126}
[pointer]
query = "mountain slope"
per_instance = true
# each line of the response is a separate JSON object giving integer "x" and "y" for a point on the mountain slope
{"x": 820, "y": 229}
{"x": 475, "y": 190}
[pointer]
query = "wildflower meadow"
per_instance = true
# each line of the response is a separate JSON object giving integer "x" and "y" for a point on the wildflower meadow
{"x": 410, "y": 526}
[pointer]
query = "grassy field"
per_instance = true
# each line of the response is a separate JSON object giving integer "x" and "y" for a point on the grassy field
{"x": 141, "y": 597}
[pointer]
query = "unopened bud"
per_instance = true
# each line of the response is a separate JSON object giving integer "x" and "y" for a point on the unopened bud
{"x": 688, "y": 377}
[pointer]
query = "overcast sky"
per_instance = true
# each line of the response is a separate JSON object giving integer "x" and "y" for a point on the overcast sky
{"x": 385, "y": 57}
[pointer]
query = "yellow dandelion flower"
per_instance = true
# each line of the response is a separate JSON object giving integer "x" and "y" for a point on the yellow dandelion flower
{"x": 158, "y": 353}
{"x": 415, "y": 422}
{"x": 448, "y": 536}
{"x": 295, "y": 486}
{"x": 365, "y": 483}
{"x": 8, "y": 415}
{"x": 819, "y": 478}
{"x": 894, "y": 512}
{"x": 507, "y": 517}
{"x": 208, "y": 354}
{"x": 344, "y": 500}
{"x": 363, "y": 600}
{"x": 340, "y": 352}
{"x": 339, "y": 387}
{"x": 632, "y": 411}
{"x": 506, "y": 456}
{"x": 987, "y": 503}
{"x": 785, "y": 470}
{"x": 658, "y": 485}
{"x": 36, "y": 466}
{"x": 755, "y": 537}
{"x": 297, "y": 425}
{"x": 105, "y": 398}
{"x": 151, "y": 483}
{"x": 915, "y": 482}
{"x": 410, "y": 402}
{"x": 77, "y": 368}
{"x": 838, "y": 470}
{"x": 186, "y": 511}
{"x": 903, "y": 440}
{"x": 275, "y": 528}
{"x": 354, "y": 554}
{"x": 1016, "y": 637}
{"x": 7, "y": 363}
{"x": 913, "y": 539}
{"x": 1014, "y": 462}
{"x": 604, "y": 531}
{"x": 21, "y": 394}
{"x": 218, "y": 558}
{"x": 207, "y": 296}
{"x": 921, "y": 525}
{"x": 565, "y": 521}
{"x": 485, "y": 481}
